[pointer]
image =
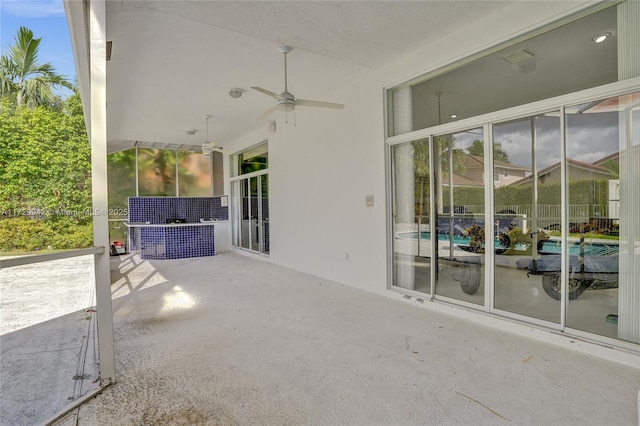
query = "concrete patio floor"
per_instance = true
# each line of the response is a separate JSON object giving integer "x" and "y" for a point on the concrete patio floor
{"x": 235, "y": 340}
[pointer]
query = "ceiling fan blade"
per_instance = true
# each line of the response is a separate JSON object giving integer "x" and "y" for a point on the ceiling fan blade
{"x": 267, "y": 112}
{"x": 209, "y": 147}
{"x": 267, "y": 92}
{"x": 320, "y": 104}
{"x": 220, "y": 150}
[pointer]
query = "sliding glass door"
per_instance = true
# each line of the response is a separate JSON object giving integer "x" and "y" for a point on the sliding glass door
{"x": 412, "y": 230}
{"x": 558, "y": 243}
{"x": 602, "y": 284}
{"x": 250, "y": 197}
{"x": 438, "y": 216}
{"x": 459, "y": 215}
{"x": 527, "y": 164}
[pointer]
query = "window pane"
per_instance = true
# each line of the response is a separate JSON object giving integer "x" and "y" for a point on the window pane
{"x": 459, "y": 177}
{"x": 527, "y": 215}
{"x": 121, "y": 170}
{"x": 603, "y": 158}
{"x": 156, "y": 172}
{"x": 236, "y": 212}
{"x": 264, "y": 182}
{"x": 251, "y": 160}
{"x": 538, "y": 68}
{"x": 412, "y": 223}
{"x": 194, "y": 174}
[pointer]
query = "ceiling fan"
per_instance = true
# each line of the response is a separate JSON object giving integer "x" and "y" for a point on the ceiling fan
{"x": 209, "y": 147}
{"x": 286, "y": 101}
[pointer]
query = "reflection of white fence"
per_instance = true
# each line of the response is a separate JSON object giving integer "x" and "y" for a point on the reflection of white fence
{"x": 548, "y": 215}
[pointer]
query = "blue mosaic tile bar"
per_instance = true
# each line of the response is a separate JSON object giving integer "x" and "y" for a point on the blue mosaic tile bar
{"x": 177, "y": 242}
{"x": 160, "y": 226}
{"x": 158, "y": 210}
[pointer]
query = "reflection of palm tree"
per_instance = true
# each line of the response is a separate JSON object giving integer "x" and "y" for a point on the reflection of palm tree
{"x": 122, "y": 177}
{"x": 412, "y": 164}
{"x": 450, "y": 161}
{"x": 21, "y": 75}
{"x": 157, "y": 166}
{"x": 160, "y": 168}
{"x": 421, "y": 171}
{"x": 499, "y": 154}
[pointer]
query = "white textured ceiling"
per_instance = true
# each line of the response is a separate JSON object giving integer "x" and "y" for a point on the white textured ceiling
{"x": 175, "y": 61}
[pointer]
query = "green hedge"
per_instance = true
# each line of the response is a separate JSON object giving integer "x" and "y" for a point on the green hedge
{"x": 588, "y": 192}
{"x": 20, "y": 234}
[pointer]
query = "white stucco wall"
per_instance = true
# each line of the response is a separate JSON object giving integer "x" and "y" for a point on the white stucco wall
{"x": 321, "y": 171}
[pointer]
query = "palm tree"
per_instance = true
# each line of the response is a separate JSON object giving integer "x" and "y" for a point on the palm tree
{"x": 21, "y": 76}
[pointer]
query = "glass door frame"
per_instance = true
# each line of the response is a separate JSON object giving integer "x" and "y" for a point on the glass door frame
{"x": 236, "y": 183}
{"x": 451, "y": 216}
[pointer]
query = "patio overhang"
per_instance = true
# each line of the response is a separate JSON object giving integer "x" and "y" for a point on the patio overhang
{"x": 173, "y": 62}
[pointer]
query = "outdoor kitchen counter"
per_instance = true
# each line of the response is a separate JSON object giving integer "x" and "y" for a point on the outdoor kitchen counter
{"x": 165, "y": 225}
{"x": 161, "y": 241}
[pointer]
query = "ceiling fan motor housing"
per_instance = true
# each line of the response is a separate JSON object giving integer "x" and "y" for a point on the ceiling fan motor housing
{"x": 287, "y": 101}
{"x": 286, "y": 105}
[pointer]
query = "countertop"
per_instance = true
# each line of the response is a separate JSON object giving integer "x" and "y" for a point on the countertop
{"x": 171, "y": 225}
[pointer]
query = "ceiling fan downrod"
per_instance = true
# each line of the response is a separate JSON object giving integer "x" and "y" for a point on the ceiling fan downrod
{"x": 285, "y": 50}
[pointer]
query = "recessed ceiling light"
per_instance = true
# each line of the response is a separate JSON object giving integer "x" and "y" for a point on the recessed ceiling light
{"x": 601, "y": 37}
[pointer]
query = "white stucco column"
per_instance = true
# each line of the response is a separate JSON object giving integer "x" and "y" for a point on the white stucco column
{"x": 404, "y": 214}
{"x": 98, "y": 137}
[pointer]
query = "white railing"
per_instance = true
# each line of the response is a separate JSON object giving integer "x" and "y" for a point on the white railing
{"x": 48, "y": 318}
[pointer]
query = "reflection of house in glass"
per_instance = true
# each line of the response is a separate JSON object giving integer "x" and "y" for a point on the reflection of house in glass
{"x": 473, "y": 174}
{"x": 503, "y": 173}
{"x": 577, "y": 170}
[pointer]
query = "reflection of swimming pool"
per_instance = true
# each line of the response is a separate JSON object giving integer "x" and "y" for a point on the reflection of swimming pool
{"x": 590, "y": 248}
{"x": 546, "y": 247}
{"x": 426, "y": 235}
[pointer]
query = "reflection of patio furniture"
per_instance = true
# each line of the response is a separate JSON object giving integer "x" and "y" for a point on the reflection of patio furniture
{"x": 603, "y": 225}
{"x": 511, "y": 242}
{"x": 521, "y": 243}
{"x": 467, "y": 270}
{"x": 584, "y": 271}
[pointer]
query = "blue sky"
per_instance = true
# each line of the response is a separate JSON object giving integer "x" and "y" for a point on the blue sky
{"x": 47, "y": 20}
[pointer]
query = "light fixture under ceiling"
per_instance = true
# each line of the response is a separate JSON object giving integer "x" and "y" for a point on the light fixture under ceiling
{"x": 235, "y": 92}
{"x": 601, "y": 37}
{"x": 206, "y": 145}
{"x": 209, "y": 147}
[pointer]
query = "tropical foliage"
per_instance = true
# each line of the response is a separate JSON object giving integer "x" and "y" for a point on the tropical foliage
{"x": 45, "y": 181}
{"x": 499, "y": 154}
{"x": 23, "y": 79}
